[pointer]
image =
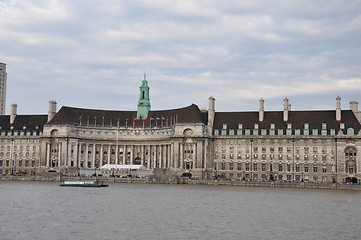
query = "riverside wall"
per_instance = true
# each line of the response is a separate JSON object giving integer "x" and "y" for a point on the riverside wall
{"x": 179, "y": 180}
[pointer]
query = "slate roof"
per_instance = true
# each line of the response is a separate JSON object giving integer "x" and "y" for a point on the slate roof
{"x": 31, "y": 122}
{"x": 297, "y": 118}
{"x": 93, "y": 117}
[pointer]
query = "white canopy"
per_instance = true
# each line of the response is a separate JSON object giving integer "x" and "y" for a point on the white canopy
{"x": 121, "y": 167}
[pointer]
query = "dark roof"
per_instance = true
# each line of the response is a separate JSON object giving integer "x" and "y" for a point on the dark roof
{"x": 297, "y": 118}
{"x": 92, "y": 117}
{"x": 31, "y": 122}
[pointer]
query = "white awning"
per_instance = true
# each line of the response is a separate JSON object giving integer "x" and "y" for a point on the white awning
{"x": 121, "y": 167}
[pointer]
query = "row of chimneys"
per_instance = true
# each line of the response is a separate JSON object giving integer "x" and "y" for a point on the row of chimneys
{"x": 287, "y": 109}
{"x": 51, "y": 112}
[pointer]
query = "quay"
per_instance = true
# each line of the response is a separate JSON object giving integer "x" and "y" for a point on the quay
{"x": 58, "y": 177}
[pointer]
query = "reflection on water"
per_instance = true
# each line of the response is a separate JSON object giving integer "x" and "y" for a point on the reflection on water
{"x": 144, "y": 211}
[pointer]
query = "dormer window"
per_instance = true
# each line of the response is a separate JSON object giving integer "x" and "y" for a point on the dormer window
{"x": 240, "y": 126}
{"x": 306, "y": 126}
{"x": 289, "y": 125}
{"x": 342, "y": 125}
{"x": 273, "y": 126}
{"x": 224, "y": 126}
{"x": 324, "y": 125}
{"x": 256, "y": 126}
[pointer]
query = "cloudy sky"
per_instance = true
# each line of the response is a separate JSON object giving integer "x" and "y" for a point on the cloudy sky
{"x": 93, "y": 54}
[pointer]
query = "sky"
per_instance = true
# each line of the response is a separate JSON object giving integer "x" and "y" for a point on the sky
{"x": 93, "y": 54}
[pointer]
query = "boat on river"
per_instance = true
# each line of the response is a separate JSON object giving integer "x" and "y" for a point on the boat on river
{"x": 95, "y": 184}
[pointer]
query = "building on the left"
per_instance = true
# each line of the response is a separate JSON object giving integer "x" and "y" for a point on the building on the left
{"x": 3, "y": 83}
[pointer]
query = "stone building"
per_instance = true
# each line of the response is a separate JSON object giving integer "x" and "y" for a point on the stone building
{"x": 264, "y": 145}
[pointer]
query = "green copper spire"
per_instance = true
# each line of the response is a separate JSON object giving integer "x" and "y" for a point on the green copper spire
{"x": 144, "y": 101}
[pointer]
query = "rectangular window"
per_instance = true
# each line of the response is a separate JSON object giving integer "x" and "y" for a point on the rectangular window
{"x": 273, "y": 126}
{"x": 264, "y": 132}
{"x": 224, "y": 132}
{"x": 239, "y": 132}
{"x": 324, "y": 125}
{"x": 223, "y": 166}
{"x": 247, "y": 166}
{"x": 280, "y": 132}
{"x": 288, "y": 167}
{"x": 315, "y": 169}
{"x": 280, "y": 168}
{"x": 306, "y": 168}
{"x": 239, "y": 166}
{"x": 240, "y": 126}
{"x": 332, "y": 132}
{"x": 289, "y": 125}
{"x": 263, "y": 167}
{"x": 224, "y": 126}
{"x": 297, "y": 167}
{"x": 247, "y": 132}
{"x": 255, "y": 131}
{"x": 255, "y": 167}
{"x": 342, "y": 125}
{"x": 272, "y": 132}
{"x": 216, "y": 132}
{"x": 231, "y": 131}
{"x": 306, "y": 132}
{"x": 231, "y": 166}
{"x": 306, "y": 126}
{"x": 297, "y": 132}
{"x": 256, "y": 126}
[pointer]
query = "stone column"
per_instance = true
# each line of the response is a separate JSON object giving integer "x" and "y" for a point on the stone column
{"x": 47, "y": 154}
{"x": 181, "y": 155}
{"x": 155, "y": 165}
{"x": 109, "y": 153}
{"x": 116, "y": 153}
{"x": 195, "y": 159}
{"x": 94, "y": 151}
{"x": 101, "y": 156}
{"x": 86, "y": 155}
{"x": 59, "y": 153}
{"x": 142, "y": 155}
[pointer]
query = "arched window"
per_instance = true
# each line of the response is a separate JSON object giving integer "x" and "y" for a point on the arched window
{"x": 350, "y": 160}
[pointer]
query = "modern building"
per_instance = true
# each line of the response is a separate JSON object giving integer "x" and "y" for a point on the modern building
{"x": 286, "y": 145}
{"x": 3, "y": 84}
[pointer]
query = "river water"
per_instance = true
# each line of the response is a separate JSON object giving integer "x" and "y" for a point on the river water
{"x": 35, "y": 210}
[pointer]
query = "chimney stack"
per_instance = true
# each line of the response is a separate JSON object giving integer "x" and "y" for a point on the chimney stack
{"x": 211, "y": 113}
{"x": 286, "y": 109}
{"x": 14, "y": 109}
{"x": 52, "y": 110}
{"x": 338, "y": 108}
{"x": 354, "y": 106}
{"x": 261, "y": 110}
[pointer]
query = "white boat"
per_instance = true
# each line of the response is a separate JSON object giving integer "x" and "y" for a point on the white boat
{"x": 83, "y": 184}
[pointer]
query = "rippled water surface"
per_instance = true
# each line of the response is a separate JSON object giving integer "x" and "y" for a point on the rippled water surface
{"x": 31, "y": 210}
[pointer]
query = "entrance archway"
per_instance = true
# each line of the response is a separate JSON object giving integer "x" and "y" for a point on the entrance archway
{"x": 352, "y": 180}
{"x": 137, "y": 161}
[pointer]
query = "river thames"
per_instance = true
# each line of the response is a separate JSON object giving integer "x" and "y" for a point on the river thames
{"x": 35, "y": 210}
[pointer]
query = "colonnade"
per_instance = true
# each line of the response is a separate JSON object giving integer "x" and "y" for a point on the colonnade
{"x": 90, "y": 155}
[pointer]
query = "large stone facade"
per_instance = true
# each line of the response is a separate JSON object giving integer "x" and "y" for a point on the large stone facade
{"x": 321, "y": 146}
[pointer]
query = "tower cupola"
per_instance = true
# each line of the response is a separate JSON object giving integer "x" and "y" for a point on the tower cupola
{"x": 144, "y": 101}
